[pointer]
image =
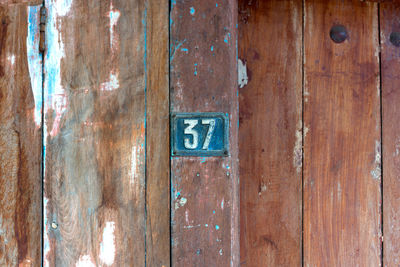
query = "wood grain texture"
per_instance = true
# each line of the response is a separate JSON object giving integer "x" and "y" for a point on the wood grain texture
{"x": 390, "y": 67}
{"x": 20, "y": 138}
{"x": 270, "y": 132}
{"x": 157, "y": 135}
{"x": 204, "y": 79}
{"x": 342, "y": 169}
{"x": 95, "y": 133}
{"x": 21, "y": 2}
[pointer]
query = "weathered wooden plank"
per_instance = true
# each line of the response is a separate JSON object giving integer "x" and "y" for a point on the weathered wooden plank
{"x": 342, "y": 169}
{"x": 20, "y": 137}
{"x": 270, "y": 132}
{"x": 157, "y": 136}
{"x": 21, "y": 2}
{"x": 95, "y": 133}
{"x": 390, "y": 67}
{"x": 204, "y": 79}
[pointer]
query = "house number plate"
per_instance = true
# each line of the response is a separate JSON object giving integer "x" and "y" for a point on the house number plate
{"x": 200, "y": 134}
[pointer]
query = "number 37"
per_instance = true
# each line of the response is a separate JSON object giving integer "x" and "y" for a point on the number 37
{"x": 191, "y": 123}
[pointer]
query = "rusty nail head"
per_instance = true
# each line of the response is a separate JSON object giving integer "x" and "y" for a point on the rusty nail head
{"x": 338, "y": 33}
{"x": 395, "y": 38}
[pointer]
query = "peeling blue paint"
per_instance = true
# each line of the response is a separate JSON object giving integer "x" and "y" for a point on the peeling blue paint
{"x": 35, "y": 60}
{"x": 192, "y": 11}
{"x": 217, "y": 227}
{"x": 185, "y": 49}
{"x": 212, "y": 48}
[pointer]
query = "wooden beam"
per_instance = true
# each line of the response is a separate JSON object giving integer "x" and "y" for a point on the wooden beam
{"x": 205, "y": 218}
{"x": 270, "y": 132}
{"x": 20, "y": 137}
{"x": 342, "y": 168}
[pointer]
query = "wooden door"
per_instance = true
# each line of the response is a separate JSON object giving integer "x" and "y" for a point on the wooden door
{"x": 310, "y": 89}
{"x": 318, "y": 133}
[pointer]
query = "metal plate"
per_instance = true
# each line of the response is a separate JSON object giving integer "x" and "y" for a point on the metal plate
{"x": 200, "y": 134}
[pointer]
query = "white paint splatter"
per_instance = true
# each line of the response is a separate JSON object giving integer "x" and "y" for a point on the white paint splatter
{"x": 114, "y": 17}
{"x": 62, "y": 7}
{"x": 376, "y": 172}
{"x": 107, "y": 246}
{"x": 180, "y": 203}
{"x": 34, "y": 61}
{"x": 263, "y": 188}
{"x": 220, "y": 252}
{"x": 85, "y": 261}
{"x": 111, "y": 84}
{"x": 298, "y": 148}
{"x": 11, "y": 58}
{"x": 242, "y": 74}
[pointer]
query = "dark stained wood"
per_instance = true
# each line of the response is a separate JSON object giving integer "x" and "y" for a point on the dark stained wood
{"x": 20, "y": 137}
{"x": 390, "y": 73}
{"x": 270, "y": 132}
{"x": 95, "y": 86}
{"x": 342, "y": 169}
{"x": 205, "y": 229}
{"x": 157, "y": 136}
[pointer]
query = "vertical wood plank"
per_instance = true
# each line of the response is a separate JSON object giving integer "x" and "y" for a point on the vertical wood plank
{"x": 20, "y": 136}
{"x": 270, "y": 132}
{"x": 390, "y": 67}
{"x": 204, "y": 79}
{"x": 157, "y": 135}
{"x": 342, "y": 169}
{"x": 95, "y": 133}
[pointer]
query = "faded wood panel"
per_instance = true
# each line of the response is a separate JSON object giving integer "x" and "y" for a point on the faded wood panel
{"x": 270, "y": 132}
{"x": 95, "y": 133}
{"x": 20, "y": 137}
{"x": 204, "y": 79}
{"x": 390, "y": 67}
{"x": 157, "y": 135}
{"x": 342, "y": 173}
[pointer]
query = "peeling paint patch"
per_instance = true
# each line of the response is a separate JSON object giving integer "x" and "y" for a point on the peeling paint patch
{"x": 111, "y": 84}
{"x": 222, "y": 204}
{"x": 242, "y": 74}
{"x": 298, "y": 148}
{"x": 192, "y": 11}
{"x": 34, "y": 61}
{"x": 114, "y": 17}
{"x": 376, "y": 172}
{"x": 263, "y": 188}
{"x": 62, "y": 7}
{"x": 85, "y": 261}
{"x": 180, "y": 203}
{"x": 54, "y": 92}
{"x": 107, "y": 246}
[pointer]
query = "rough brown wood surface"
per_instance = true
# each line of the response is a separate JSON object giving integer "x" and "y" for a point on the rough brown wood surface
{"x": 390, "y": 73}
{"x": 157, "y": 135}
{"x": 95, "y": 85}
{"x": 270, "y": 132}
{"x": 20, "y": 139}
{"x": 204, "y": 79}
{"x": 342, "y": 173}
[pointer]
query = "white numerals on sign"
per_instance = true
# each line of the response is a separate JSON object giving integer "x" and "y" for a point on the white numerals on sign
{"x": 211, "y": 127}
{"x": 190, "y": 130}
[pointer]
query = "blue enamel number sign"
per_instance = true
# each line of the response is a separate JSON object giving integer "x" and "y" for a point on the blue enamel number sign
{"x": 200, "y": 134}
